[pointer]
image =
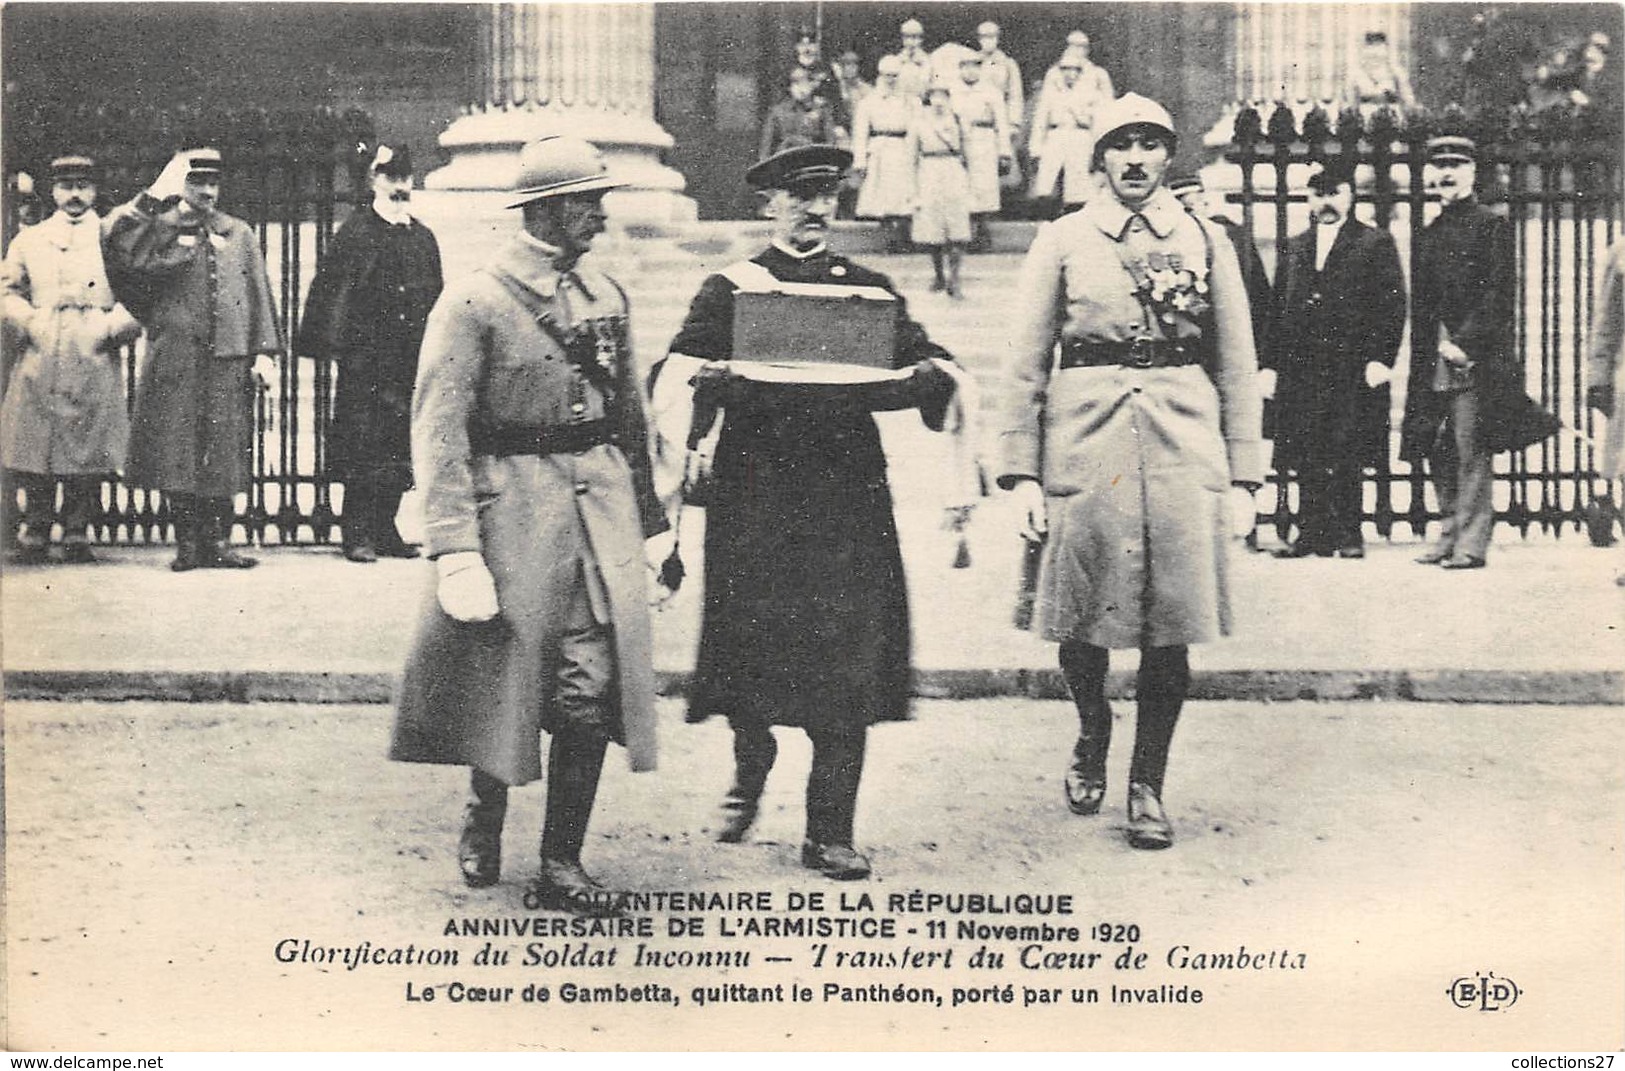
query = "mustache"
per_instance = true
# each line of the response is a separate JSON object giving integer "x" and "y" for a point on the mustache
{"x": 401, "y": 195}
{"x": 1134, "y": 171}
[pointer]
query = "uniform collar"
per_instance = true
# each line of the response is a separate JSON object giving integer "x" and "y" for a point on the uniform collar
{"x": 800, "y": 254}
{"x": 1161, "y": 212}
{"x": 530, "y": 261}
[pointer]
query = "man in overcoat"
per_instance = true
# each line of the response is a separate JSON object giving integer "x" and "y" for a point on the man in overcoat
{"x": 63, "y": 418}
{"x": 806, "y": 615}
{"x": 1131, "y": 408}
{"x": 195, "y": 278}
{"x": 529, "y": 445}
{"x": 1342, "y": 314}
{"x": 366, "y": 312}
{"x": 1465, "y": 400}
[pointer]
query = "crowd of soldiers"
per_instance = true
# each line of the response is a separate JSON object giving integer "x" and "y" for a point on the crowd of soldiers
{"x": 1129, "y": 430}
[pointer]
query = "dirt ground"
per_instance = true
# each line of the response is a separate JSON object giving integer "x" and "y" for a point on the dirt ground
{"x": 156, "y": 855}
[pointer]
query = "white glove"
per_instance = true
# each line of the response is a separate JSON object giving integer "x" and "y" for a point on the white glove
{"x": 467, "y": 590}
{"x": 1243, "y": 511}
{"x": 1029, "y": 496}
{"x": 265, "y": 369}
{"x": 171, "y": 181}
{"x": 1266, "y": 382}
{"x": 1377, "y": 373}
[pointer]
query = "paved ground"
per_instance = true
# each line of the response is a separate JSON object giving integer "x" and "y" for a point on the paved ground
{"x": 158, "y": 853}
{"x": 1542, "y": 624}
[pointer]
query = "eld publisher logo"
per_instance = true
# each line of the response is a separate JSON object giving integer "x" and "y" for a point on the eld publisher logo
{"x": 1484, "y": 992}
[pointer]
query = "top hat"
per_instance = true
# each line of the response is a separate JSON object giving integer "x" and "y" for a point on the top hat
{"x": 1452, "y": 148}
{"x": 72, "y": 166}
{"x": 396, "y": 162}
{"x": 558, "y": 166}
{"x": 804, "y": 165}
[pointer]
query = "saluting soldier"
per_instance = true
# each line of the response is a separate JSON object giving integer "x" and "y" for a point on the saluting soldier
{"x": 529, "y": 445}
{"x": 366, "y": 312}
{"x": 63, "y": 419}
{"x": 1132, "y": 405}
{"x": 195, "y": 278}
{"x": 806, "y": 616}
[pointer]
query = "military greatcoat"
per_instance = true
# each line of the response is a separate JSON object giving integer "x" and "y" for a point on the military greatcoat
{"x": 64, "y": 406}
{"x": 480, "y": 694}
{"x": 1135, "y": 462}
{"x": 883, "y": 149}
{"x": 200, "y": 291}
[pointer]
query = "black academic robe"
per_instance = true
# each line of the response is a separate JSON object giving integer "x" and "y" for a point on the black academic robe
{"x": 806, "y": 614}
{"x": 1332, "y": 323}
{"x": 366, "y": 312}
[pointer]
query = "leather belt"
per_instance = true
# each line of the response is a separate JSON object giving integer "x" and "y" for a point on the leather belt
{"x": 888, "y": 133}
{"x": 939, "y": 154}
{"x": 985, "y": 125}
{"x": 1136, "y": 353}
{"x": 504, "y": 440}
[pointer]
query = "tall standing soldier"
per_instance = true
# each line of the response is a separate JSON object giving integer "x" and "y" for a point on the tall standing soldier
{"x": 1132, "y": 407}
{"x": 195, "y": 278}
{"x": 1465, "y": 401}
{"x": 806, "y": 614}
{"x": 529, "y": 445}
{"x": 63, "y": 418}
{"x": 1342, "y": 314}
{"x": 366, "y": 312}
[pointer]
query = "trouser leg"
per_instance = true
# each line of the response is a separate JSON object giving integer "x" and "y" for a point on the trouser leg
{"x": 956, "y": 253}
{"x": 39, "y": 509}
{"x": 832, "y": 784}
{"x": 1084, "y": 666}
{"x": 1444, "y": 465}
{"x": 79, "y": 495}
{"x": 358, "y": 515}
{"x": 584, "y": 682}
{"x": 1346, "y": 506}
{"x": 755, "y": 751}
{"x": 479, "y": 851}
{"x": 1314, "y": 507}
{"x": 938, "y": 280}
{"x": 1475, "y": 480}
{"x": 183, "y": 512}
{"x": 1164, "y": 681}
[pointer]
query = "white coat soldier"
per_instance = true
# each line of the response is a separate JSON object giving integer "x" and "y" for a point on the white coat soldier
{"x": 1003, "y": 74}
{"x": 366, "y": 313}
{"x": 63, "y": 418}
{"x": 1062, "y": 139}
{"x": 883, "y": 154}
{"x": 529, "y": 445}
{"x": 806, "y": 614}
{"x": 988, "y": 152}
{"x": 942, "y": 210}
{"x": 195, "y": 278}
{"x": 1132, "y": 406}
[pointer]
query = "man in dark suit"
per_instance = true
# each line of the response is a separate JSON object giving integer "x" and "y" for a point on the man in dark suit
{"x": 1341, "y": 302}
{"x": 1465, "y": 400}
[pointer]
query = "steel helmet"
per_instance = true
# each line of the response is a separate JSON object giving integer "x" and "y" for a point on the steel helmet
{"x": 1131, "y": 110}
{"x": 556, "y": 166}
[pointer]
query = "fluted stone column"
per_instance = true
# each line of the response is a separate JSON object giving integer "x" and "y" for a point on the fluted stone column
{"x": 567, "y": 68}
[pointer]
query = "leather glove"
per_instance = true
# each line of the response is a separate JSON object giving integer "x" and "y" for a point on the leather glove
{"x": 1600, "y": 396}
{"x": 932, "y": 389}
{"x": 1029, "y": 496}
{"x": 657, "y": 551}
{"x": 171, "y": 181}
{"x": 467, "y": 591}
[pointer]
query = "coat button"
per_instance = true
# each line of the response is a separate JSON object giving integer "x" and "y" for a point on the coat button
{"x": 578, "y": 407}
{"x": 581, "y": 487}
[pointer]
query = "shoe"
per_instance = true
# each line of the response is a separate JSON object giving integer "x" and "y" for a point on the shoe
{"x": 396, "y": 548}
{"x": 360, "y": 552}
{"x": 1148, "y": 825}
{"x": 1300, "y": 549}
{"x": 838, "y": 862}
{"x": 1463, "y": 561}
{"x": 220, "y": 556}
{"x": 479, "y": 851}
{"x": 31, "y": 554}
{"x": 955, "y": 292}
{"x": 1085, "y": 780}
{"x": 1251, "y": 541}
{"x": 1433, "y": 556}
{"x": 563, "y": 886}
{"x": 738, "y": 815}
{"x": 186, "y": 558}
{"x": 77, "y": 554}
{"x": 938, "y": 286}
{"x": 1351, "y": 552}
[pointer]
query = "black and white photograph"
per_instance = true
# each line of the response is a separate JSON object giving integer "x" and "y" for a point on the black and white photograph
{"x": 813, "y": 527}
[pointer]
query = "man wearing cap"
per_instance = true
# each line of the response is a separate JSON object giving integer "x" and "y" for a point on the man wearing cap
{"x": 195, "y": 278}
{"x": 1062, "y": 139}
{"x": 988, "y": 150}
{"x": 1120, "y": 446}
{"x": 806, "y": 616}
{"x": 1342, "y": 314}
{"x": 529, "y": 445}
{"x": 1004, "y": 75}
{"x": 826, "y": 85}
{"x": 913, "y": 62}
{"x": 1465, "y": 401}
{"x": 801, "y": 118}
{"x": 883, "y": 155}
{"x": 366, "y": 312}
{"x": 63, "y": 419}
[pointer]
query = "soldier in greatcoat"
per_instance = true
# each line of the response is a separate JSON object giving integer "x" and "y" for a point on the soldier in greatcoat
{"x": 529, "y": 446}
{"x": 1003, "y": 74}
{"x": 1465, "y": 399}
{"x": 806, "y": 616}
{"x": 883, "y": 154}
{"x": 366, "y": 312}
{"x": 195, "y": 278}
{"x": 988, "y": 152}
{"x": 942, "y": 209}
{"x": 1132, "y": 407}
{"x": 1062, "y": 138}
{"x": 913, "y": 62}
{"x": 801, "y": 118}
{"x": 1342, "y": 314}
{"x": 63, "y": 419}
